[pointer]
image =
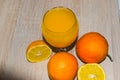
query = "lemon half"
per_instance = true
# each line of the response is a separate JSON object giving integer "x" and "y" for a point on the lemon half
{"x": 91, "y": 71}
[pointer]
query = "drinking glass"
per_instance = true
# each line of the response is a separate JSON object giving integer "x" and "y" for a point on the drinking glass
{"x": 60, "y": 27}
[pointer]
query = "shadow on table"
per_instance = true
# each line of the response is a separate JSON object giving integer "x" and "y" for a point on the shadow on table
{"x": 10, "y": 76}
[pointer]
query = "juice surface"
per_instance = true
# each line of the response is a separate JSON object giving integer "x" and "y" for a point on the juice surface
{"x": 59, "y": 20}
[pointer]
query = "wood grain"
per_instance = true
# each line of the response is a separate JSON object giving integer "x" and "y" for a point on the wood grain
{"x": 20, "y": 24}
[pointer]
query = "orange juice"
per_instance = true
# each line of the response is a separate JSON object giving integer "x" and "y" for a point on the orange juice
{"x": 60, "y": 27}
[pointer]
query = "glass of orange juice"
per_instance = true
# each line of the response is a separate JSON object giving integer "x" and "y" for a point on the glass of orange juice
{"x": 60, "y": 27}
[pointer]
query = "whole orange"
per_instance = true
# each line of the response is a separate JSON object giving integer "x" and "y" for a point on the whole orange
{"x": 92, "y": 47}
{"x": 62, "y": 66}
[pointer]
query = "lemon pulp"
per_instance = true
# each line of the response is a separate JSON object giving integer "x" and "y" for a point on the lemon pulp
{"x": 91, "y": 71}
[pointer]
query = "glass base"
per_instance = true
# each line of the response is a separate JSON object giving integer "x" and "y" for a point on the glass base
{"x": 66, "y": 49}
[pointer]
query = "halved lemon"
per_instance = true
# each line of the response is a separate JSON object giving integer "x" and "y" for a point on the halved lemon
{"x": 38, "y": 51}
{"x": 91, "y": 71}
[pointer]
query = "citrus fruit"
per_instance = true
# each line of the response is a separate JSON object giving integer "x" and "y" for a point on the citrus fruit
{"x": 92, "y": 47}
{"x": 38, "y": 51}
{"x": 62, "y": 66}
{"x": 91, "y": 71}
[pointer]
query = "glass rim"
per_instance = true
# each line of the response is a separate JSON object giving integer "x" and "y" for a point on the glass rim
{"x": 75, "y": 19}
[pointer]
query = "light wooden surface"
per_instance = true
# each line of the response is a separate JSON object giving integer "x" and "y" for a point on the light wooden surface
{"x": 20, "y": 22}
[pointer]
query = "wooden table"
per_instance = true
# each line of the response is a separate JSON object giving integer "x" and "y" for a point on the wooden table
{"x": 20, "y": 24}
